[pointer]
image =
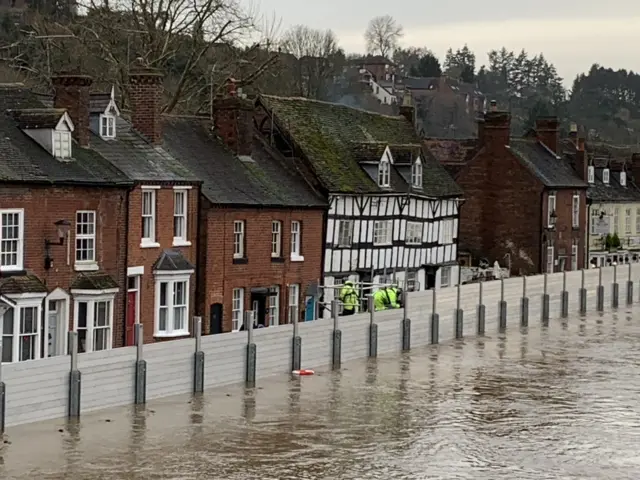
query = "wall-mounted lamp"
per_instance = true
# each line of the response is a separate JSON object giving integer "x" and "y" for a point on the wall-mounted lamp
{"x": 552, "y": 219}
{"x": 62, "y": 227}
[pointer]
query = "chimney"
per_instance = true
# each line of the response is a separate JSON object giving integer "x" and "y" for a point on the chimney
{"x": 71, "y": 92}
{"x": 494, "y": 129}
{"x": 548, "y": 132}
{"x": 233, "y": 120}
{"x": 407, "y": 109}
{"x": 145, "y": 96}
{"x": 573, "y": 132}
{"x": 582, "y": 163}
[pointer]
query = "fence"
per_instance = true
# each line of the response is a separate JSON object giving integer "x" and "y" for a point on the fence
{"x": 79, "y": 383}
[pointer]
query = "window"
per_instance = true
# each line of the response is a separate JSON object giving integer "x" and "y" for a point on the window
{"x": 447, "y": 232}
{"x": 238, "y": 239}
{"x": 595, "y": 218}
{"x": 21, "y": 331}
{"x": 575, "y": 211}
{"x": 616, "y": 220}
{"x": 276, "y": 239}
{"x": 550, "y": 259}
{"x": 172, "y": 305}
{"x": 61, "y": 144}
{"x": 11, "y": 239}
{"x": 627, "y": 221}
{"x": 416, "y": 174}
{"x": 148, "y": 216}
{"x": 237, "y": 309}
{"x": 591, "y": 174}
{"x": 623, "y": 179}
{"x": 274, "y": 305}
{"x": 445, "y": 276}
{"x": 411, "y": 282}
{"x": 345, "y": 233}
{"x": 107, "y": 126}
{"x": 605, "y": 175}
{"x": 94, "y": 321}
{"x": 637, "y": 221}
{"x": 294, "y": 301}
{"x": 414, "y": 233}
{"x": 574, "y": 256}
{"x": 551, "y": 208}
{"x": 296, "y": 231}
{"x": 384, "y": 170}
{"x": 180, "y": 198}
{"x": 85, "y": 237}
{"x": 382, "y": 232}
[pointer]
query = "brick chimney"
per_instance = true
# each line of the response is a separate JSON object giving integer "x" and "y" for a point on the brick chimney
{"x": 494, "y": 129}
{"x": 233, "y": 120}
{"x": 573, "y": 133}
{"x": 582, "y": 162}
{"x": 407, "y": 110}
{"x": 145, "y": 97}
{"x": 71, "y": 92}
{"x": 547, "y": 129}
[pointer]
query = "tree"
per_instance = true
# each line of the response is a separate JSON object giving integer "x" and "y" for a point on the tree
{"x": 318, "y": 59}
{"x": 382, "y": 35}
{"x": 417, "y": 62}
{"x": 428, "y": 66}
{"x": 461, "y": 64}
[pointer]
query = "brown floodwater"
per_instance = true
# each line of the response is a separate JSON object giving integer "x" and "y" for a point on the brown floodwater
{"x": 561, "y": 402}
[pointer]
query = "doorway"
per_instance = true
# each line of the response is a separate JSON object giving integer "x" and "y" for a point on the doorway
{"x": 55, "y": 324}
{"x": 430, "y": 277}
{"x": 259, "y": 305}
{"x": 133, "y": 298}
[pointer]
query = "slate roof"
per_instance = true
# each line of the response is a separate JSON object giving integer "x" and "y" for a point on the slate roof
{"x": 421, "y": 83}
{"x": 172, "y": 261}
{"x": 23, "y": 160}
{"x": 327, "y": 132}
{"x": 98, "y": 102}
{"x": 37, "y": 117}
{"x": 93, "y": 281}
{"x": 21, "y": 284}
{"x": 263, "y": 179}
{"x": 612, "y": 192}
{"x": 453, "y": 154}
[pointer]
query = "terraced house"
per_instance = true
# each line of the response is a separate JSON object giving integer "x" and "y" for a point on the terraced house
{"x": 392, "y": 207}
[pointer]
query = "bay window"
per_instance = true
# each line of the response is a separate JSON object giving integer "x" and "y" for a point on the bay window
{"x": 21, "y": 331}
{"x": 172, "y": 304}
{"x": 93, "y": 319}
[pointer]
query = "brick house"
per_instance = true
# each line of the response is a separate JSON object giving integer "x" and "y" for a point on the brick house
{"x": 63, "y": 234}
{"x": 260, "y": 227}
{"x": 524, "y": 200}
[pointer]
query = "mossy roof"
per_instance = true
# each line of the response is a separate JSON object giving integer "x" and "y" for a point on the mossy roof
{"x": 332, "y": 138}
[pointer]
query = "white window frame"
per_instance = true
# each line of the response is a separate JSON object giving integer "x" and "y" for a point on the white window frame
{"x": 171, "y": 278}
{"x": 345, "y": 233}
{"x": 551, "y": 207}
{"x": 296, "y": 241}
{"x": 414, "y": 232}
{"x": 384, "y": 173}
{"x": 238, "y": 238}
{"x": 595, "y": 216}
{"x": 382, "y": 226}
{"x": 637, "y": 220}
{"x": 107, "y": 126}
{"x": 91, "y": 298}
{"x": 605, "y": 176}
{"x": 627, "y": 221}
{"x": 20, "y": 240}
{"x": 616, "y": 220}
{"x": 574, "y": 257}
{"x": 273, "y": 306}
{"x": 89, "y": 264}
{"x": 22, "y": 301}
{"x": 575, "y": 211}
{"x": 623, "y": 179}
{"x": 276, "y": 239}
{"x": 61, "y": 144}
{"x": 150, "y": 241}
{"x": 181, "y": 199}
{"x": 416, "y": 174}
{"x": 294, "y": 301}
{"x": 237, "y": 309}
{"x": 445, "y": 277}
{"x": 550, "y": 260}
{"x": 591, "y": 174}
{"x": 446, "y": 232}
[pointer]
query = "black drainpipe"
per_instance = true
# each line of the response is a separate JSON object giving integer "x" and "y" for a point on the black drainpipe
{"x": 126, "y": 265}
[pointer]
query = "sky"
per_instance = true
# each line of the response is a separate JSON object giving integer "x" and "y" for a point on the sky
{"x": 572, "y": 34}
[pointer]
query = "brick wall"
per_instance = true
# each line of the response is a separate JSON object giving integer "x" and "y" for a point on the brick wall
{"x": 222, "y": 275}
{"x": 45, "y": 205}
{"x": 146, "y": 257}
{"x": 72, "y": 93}
{"x": 145, "y": 97}
{"x": 564, "y": 233}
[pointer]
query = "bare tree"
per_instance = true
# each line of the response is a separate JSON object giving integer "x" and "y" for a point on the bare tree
{"x": 382, "y": 35}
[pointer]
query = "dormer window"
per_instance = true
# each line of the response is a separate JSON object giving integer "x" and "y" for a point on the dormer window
{"x": 384, "y": 170}
{"x": 605, "y": 176}
{"x": 623, "y": 179}
{"x": 591, "y": 174}
{"x": 107, "y": 126}
{"x": 61, "y": 144}
{"x": 416, "y": 174}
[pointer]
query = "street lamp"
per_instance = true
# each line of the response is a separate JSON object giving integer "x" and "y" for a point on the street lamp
{"x": 552, "y": 219}
{"x": 62, "y": 228}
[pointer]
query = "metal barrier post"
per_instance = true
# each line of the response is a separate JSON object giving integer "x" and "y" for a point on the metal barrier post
{"x": 629, "y": 288}
{"x": 198, "y": 357}
{"x": 250, "y": 372}
{"x": 458, "y": 316}
{"x": 615, "y": 288}
{"x": 140, "y": 394}
{"x": 435, "y": 322}
{"x": 373, "y": 328}
{"x": 564, "y": 298}
{"x": 583, "y": 295}
{"x": 296, "y": 354}
{"x": 502, "y": 309}
{"x": 481, "y": 313}
{"x": 524, "y": 304}
{"x": 406, "y": 323}
{"x": 336, "y": 335}
{"x": 75, "y": 378}
{"x": 600, "y": 292}
{"x": 545, "y": 303}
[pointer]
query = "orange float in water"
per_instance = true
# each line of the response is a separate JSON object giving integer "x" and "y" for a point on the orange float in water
{"x": 303, "y": 372}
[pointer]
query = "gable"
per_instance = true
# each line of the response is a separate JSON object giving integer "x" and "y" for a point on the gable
{"x": 65, "y": 124}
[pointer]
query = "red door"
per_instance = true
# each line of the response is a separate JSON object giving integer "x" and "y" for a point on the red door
{"x": 131, "y": 317}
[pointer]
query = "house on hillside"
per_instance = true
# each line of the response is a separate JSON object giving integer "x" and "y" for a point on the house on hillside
{"x": 393, "y": 208}
{"x": 525, "y": 202}
{"x": 261, "y": 225}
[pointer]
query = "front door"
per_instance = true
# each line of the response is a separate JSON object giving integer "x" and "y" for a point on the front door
{"x": 259, "y": 307}
{"x": 131, "y": 317}
{"x": 52, "y": 329}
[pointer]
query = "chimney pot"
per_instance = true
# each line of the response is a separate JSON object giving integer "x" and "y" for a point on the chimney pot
{"x": 493, "y": 106}
{"x": 145, "y": 95}
{"x": 72, "y": 92}
{"x": 494, "y": 129}
{"x": 233, "y": 123}
{"x": 547, "y": 130}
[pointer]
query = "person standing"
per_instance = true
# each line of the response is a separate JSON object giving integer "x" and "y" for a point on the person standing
{"x": 349, "y": 298}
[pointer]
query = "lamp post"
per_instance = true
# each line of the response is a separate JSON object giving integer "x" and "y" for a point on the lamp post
{"x": 62, "y": 228}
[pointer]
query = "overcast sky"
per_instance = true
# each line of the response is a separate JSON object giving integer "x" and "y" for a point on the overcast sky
{"x": 573, "y": 34}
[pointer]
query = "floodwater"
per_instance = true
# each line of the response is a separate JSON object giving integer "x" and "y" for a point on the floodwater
{"x": 561, "y": 402}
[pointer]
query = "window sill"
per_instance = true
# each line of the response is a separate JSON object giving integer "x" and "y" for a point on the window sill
{"x": 181, "y": 333}
{"x": 297, "y": 258}
{"x": 277, "y": 260}
{"x": 144, "y": 244}
{"x": 86, "y": 267}
{"x": 178, "y": 242}
{"x": 390, "y": 244}
{"x": 240, "y": 260}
